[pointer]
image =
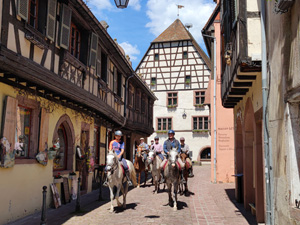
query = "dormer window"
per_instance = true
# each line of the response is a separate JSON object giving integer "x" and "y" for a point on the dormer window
{"x": 184, "y": 55}
{"x": 156, "y": 57}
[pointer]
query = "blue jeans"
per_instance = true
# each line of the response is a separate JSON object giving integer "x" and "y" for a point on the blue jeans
{"x": 161, "y": 156}
{"x": 124, "y": 163}
{"x": 145, "y": 156}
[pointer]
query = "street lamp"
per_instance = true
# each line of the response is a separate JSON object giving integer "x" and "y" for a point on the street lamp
{"x": 184, "y": 115}
{"x": 122, "y": 4}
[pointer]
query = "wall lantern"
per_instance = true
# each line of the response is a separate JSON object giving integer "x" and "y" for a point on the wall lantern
{"x": 184, "y": 115}
{"x": 121, "y": 4}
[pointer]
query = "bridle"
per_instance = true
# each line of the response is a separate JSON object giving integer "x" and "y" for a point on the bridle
{"x": 114, "y": 166}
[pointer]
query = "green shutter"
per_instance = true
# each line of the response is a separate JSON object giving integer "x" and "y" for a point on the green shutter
{"x": 65, "y": 24}
{"x": 93, "y": 50}
{"x": 51, "y": 20}
{"x": 22, "y": 9}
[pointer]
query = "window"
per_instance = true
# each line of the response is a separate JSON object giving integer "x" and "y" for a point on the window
{"x": 138, "y": 100}
{"x": 103, "y": 67}
{"x": 185, "y": 55}
{"x": 172, "y": 99}
{"x": 200, "y": 123}
{"x": 131, "y": 96}
{"x": 60, "y": 160}
{"x": 199, "y": 97}
{"x": 33, "y": 13}
{"x": 23, "y": 131}
{"x": 74, "y": 41}
{"x": 187, "y": 79}
{"x": 164, "y": 124}
{"x": 156, "y": 57}
{"x": 143, "y": 104}
{"x": 119, "y": 81}
{"x": 153, "y": 81}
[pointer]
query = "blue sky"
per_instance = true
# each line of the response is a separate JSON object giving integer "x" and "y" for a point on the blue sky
{"x": 139, "y": 24}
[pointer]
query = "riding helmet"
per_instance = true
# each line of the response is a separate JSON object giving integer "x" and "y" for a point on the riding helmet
{"x": 171, "y": 132}
{"x": 156, "y": 138}
{"x": 119, "y": 133}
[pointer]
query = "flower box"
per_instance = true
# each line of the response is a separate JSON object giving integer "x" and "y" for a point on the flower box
{"x": 152, "y": 84}
{"x": 58, "y": 180}
{"x": 161, "y": 131}
{"x": 199, "y": 105}
{"x": 172, "y": 106}
{"x": 201, "y": 131}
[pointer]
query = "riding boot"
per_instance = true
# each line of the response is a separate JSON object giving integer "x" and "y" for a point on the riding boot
{"x": 162, "y": 180}
{"x": 105, "y": 183}
{"x": 128, "y": 178}
{"x": 182, "y": 177}
{"x": 191, "y": 172}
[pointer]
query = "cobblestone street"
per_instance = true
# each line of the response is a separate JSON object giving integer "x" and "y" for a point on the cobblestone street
{"x": 208, "y": 204}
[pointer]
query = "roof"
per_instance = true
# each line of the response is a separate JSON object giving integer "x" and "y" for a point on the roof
{"x": 175, "y": 32}
{"x": 178, "y": 32}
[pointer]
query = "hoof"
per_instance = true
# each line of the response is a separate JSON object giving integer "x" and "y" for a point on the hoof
{"x": 111, "y": 210}
{"x": 138, "y": 186}
{"x": 175, "y": 208}
{"x": 119, "y": 204}
{"x": 124, "y": 206}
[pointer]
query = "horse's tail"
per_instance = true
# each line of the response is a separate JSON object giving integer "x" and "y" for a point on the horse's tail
{"x": 133, "y": 177}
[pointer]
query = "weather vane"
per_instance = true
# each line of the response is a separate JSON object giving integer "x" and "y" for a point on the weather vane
{"x": 179, "y": 7}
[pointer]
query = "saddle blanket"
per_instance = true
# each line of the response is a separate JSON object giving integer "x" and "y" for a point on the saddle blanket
{"x": 179, "y": 167}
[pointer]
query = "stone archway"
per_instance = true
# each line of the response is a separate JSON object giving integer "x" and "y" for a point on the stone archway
{"x": 65, "y": 122}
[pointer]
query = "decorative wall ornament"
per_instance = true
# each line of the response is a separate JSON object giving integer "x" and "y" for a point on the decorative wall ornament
{"x": 42, "y": 157}
{"x": 7, "y": 155}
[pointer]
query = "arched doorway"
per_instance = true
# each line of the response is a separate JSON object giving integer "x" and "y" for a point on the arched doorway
{"x": 64, "y": 133}
{"x": 205, "y": 154}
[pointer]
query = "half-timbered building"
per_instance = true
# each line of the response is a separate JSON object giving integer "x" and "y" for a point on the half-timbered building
{"x": 177, "y": 71}
{"x": 65, "y": 86}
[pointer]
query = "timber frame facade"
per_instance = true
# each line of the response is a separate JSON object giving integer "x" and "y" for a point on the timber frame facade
{"x": 64, "y": 82}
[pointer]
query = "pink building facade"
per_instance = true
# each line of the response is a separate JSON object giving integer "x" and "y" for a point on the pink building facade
{"x": 225, "y": 163}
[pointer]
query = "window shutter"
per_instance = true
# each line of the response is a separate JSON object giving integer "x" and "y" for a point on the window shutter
{"x": 233, "y": 12}
{"x": 10, "y": 120}
{"x": 65, "y": 24}
{"x": 23, "y": 9}
{"x": 44, "y": 127}
{"x": 51, "y": 20}
{"x": 115, "y": 86}
{"x": 93, "y": 50}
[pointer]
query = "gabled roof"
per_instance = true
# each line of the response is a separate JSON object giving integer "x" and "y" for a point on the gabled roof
{"x": 177, "y": 32}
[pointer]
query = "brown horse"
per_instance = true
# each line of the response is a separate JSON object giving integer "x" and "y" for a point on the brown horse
{"x": 139, "y": 165}
{"x": 183, "y": 157}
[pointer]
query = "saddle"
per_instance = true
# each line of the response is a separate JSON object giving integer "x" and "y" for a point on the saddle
{"x": 123, "y": 170}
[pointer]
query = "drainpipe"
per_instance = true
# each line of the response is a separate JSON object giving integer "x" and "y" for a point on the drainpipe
{"x": 125, "y": 94}
{"x": 215, "y": 113}
{"x": 267, "y": 151}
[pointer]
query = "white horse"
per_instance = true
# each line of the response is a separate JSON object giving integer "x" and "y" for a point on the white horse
{"x": 116, "y": 178}
{"x": 154, "y": 161}
{"x": 172, "y": 176}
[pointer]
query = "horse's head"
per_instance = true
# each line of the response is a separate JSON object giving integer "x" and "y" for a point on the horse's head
{"x": 111, "y": 160}
{"x": 173, "y": 156}
{"x": 151, "y": 156}
{"x": 139, "y": 151}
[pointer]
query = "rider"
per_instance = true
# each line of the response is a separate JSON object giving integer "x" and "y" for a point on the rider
{"x": 118, "y": 146}
{"x": 159, "y": 150}
{"x": 145, "y": 148}
{"x": 170, "y": 143}
{"x": 186, "y": 149}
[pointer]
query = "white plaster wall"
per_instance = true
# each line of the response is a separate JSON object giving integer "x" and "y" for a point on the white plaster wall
{"x": 11, "y": 42}
{"x": 182, "y": 127}
{"x": 253, "y": 6}
{"x": 254, "y": 37}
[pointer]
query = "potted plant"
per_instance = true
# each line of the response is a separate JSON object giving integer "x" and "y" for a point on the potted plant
{"x": 72, "y": 175}
{"x": 152, "y": 84}
{"x": 57, "y": 178}
{"x": 187, "y": 82}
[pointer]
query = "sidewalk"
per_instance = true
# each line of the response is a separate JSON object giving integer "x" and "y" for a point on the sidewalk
{"x": 208, "y": 204}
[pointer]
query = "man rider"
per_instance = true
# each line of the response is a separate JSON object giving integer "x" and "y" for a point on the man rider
{"x": 158, "y": 148}
{"x": 145, "y": 148}
{"x": 170, "y": 143}
{"x": 118, "y": 146}
{"x": 186, "y": 149}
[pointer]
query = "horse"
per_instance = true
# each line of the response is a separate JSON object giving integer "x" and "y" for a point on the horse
{"x": 116, "y": 177}
{"x": 139, "y": 165}
{"x": 183, "y": 157}
{"x": 172, "y": 176}
{"x": 154, "y": 161}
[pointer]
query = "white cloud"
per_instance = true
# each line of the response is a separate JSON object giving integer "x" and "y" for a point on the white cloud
{"x": 110, "y": 4}
{"x": 130, "y": 50}
{"x": 164, "y": 13}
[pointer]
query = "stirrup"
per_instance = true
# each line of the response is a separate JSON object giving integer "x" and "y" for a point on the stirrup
{"x": 129, "y": 183}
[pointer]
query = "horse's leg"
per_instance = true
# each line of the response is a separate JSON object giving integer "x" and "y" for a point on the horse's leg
{"x": 146, "y": 175}
{"x": 124, "y": 195}
{"x": 117, "y": 194}
{"x": 175, "y": 196}
{"x": 111, "y": 199}
{"x": 169, "y": 186}
{"x": 139, "y": 179}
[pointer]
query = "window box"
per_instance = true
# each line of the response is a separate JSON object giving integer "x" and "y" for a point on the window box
{"x": 161, "y": 131}
{"x": 57, "y": 180}
{"x": 172, "y": 106}
{"x": 199, "y": 105}
{"x": 201, "y": 131}
{"x": 187, "y": 82}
